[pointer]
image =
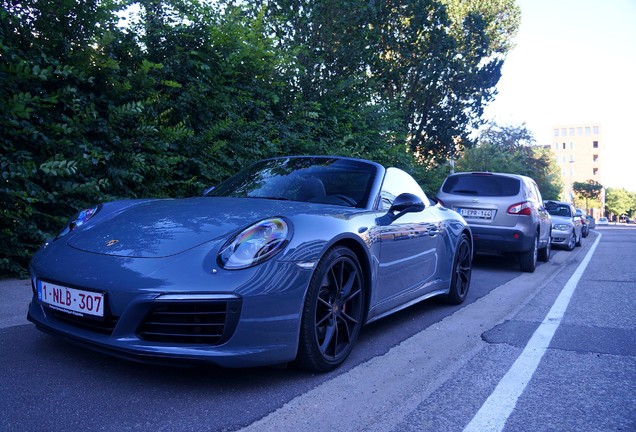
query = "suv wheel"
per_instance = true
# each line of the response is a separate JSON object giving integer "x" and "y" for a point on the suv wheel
{"x": 529, "y": 258}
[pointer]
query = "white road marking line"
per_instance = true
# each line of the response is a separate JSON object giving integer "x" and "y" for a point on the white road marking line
{"x": 494, "y": 413}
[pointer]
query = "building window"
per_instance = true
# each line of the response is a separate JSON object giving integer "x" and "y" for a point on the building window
{"x": 595, "y": 129}
{"x": 595, "y": 144}
{"x": 564, "y": 131}
{"x": 594, "y": 171}
{"x": 571, "y": 172}
{"x": 556, "y": 146}
{"x": 595, "y": 158}
{"x": 579, "y": 131}
{"x": 562, "y": 172}
{"x": 587, "y": 130}
{"x": 571, "y": 131}
{"x": 571, "y": 145}
{"x": 556, "y": 132}
{"x": 563, "y": 158}
{"x": 571, "y": 158}
{"x": 563, "y": 146}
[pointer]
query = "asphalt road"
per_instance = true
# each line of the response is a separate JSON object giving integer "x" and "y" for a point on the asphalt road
{"x": 507, "y": 359}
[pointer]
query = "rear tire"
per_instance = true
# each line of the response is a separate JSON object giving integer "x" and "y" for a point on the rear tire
{"x": 579, "y": 242}
{"x": 462, "y": 270}
{"x": 528, "y": 259}
{"x": 544, "y": 254}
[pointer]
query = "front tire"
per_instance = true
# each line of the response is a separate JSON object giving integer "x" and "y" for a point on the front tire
{"x": 571, "y": 242}
{"x": 462, "y": 270}
{"x": 333, "y": 312}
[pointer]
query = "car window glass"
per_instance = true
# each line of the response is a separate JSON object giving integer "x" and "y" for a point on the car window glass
{"x": 531, "y": 191}
{"x": 310, "y": 179}
{"x": 397, "y": 182}
{"x": 481, "y": 185}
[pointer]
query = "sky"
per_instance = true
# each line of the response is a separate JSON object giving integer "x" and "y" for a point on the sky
{"x": 575, "y": 62}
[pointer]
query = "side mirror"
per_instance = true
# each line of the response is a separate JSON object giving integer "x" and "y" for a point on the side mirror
{"x": 406, "y": 203}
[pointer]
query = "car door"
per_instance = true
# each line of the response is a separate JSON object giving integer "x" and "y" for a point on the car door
{"x": 545, "y": 220}
{"x": 408, "y": 246}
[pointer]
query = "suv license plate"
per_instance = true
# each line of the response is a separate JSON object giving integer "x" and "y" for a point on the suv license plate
{"x": 70, "y": 300}
{"x": 476, "y": 213}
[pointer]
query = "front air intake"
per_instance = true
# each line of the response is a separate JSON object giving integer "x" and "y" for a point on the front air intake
{"x": 210, "y": 323}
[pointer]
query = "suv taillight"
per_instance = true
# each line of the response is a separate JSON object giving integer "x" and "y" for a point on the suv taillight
{"x": 522, "y": 208}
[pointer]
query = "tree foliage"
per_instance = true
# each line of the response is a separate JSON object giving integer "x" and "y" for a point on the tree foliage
{"x": 509, "y": 149}
{"x": 589, "y": 190}
{"x": 187, "y": 92}
{"x": 618, "y": 202}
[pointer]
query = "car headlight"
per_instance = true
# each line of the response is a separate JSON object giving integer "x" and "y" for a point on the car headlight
{"x": 80, "y": 219}
{"x": 255, "y": 244}
{"x": 562, "y": 227}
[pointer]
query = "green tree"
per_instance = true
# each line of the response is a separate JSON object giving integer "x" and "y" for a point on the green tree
{"x": 589, "y": 190}
{"x": 509, "y": 149}
{"x": 618, "y": 201}
{"x": 418, "y": 72}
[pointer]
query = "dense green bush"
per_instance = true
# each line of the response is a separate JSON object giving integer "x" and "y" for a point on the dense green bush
{"x": 188, "y": 92}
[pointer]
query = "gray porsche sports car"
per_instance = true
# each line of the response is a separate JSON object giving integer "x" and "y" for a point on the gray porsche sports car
{"x": 284, "y": 261}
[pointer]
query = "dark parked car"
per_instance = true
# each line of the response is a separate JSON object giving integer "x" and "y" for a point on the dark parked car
{"x": 284, "y": 261}
{"x": 585, "y": 228}
{"x": 504, "y": 211}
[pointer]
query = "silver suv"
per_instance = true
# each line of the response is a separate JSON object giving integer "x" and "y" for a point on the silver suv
{"x": 505, "y": 213}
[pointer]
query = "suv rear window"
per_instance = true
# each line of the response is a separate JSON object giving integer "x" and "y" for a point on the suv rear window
{"x": 481, "y": 185}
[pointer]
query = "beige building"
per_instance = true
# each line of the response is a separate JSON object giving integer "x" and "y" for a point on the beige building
{"x": 579, "y": 154}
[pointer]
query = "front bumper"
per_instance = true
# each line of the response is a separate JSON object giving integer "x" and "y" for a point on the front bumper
{"x": 248, "y": 341}
{"x": 560, "y": 237}
{"x": 261, "y": 326}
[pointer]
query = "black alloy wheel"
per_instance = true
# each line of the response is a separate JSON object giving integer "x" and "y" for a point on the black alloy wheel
{"x": 333, "y": 312}
{"x": 462, "y": 271}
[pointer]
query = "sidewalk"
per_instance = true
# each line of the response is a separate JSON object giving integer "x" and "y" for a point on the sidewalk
{"x": 15, "y": 295}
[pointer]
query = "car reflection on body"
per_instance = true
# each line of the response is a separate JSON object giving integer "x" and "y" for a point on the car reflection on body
{"x": 567, "y": 229}
{"x": 284, "y": 261}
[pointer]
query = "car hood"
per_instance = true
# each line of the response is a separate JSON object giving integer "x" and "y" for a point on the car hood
{"x": 160, "y": 228}
{"x": 561, "y": 220}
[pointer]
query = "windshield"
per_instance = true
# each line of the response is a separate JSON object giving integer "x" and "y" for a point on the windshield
{"x": 323, "y": 180}
{"x": 559, "y": 210}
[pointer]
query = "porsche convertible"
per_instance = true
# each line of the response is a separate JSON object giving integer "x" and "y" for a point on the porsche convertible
{"x": 284, "y": 261}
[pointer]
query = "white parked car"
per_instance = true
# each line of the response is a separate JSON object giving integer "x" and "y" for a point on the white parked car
{"x": 567, "y": 228}
{"x": 602, "y": 221}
